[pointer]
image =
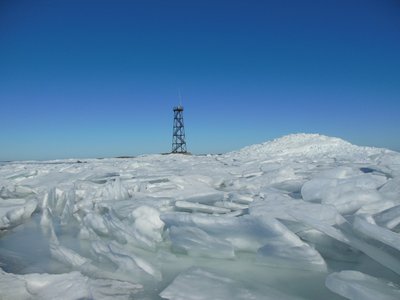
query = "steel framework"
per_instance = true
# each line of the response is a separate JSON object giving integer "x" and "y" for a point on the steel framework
{"x": 178, "y": 137}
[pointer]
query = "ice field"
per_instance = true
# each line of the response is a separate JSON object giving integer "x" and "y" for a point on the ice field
{"x": 302, "y": 217}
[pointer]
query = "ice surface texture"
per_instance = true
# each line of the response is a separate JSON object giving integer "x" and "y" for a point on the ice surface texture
{"x": 301, "y": 217}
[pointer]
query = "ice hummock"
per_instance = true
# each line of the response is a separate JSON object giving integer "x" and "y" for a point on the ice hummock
{"x": 271, "y": 221}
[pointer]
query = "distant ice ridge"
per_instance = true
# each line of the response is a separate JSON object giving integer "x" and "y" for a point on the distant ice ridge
{"x": 305, "y": 216}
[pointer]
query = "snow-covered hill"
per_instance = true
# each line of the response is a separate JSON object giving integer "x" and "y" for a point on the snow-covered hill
{"x": 304, "y": 216}
{"x": 307, "y": 145}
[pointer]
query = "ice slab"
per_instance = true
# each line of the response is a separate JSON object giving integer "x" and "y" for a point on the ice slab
{"x": 340, "y": 172}
{"x": 202, "y": 198}
{"x": 113, "y": 190}
{"x": 326, "y": 189}
{"x": 279, "y": 205}
{"x": 147, "y": 225}
{"x": 123, "y": 208}
{"x": 391, "y": 190}
{"x": 355, "y": 285}
{"x": 231, "y": 205}
{"x": 329, "y": 247}
{"x": 255, "y": 185}
{"x": 239, "y": 198}
{"x": 14, "y": 211}
{"x": 108, "y": 289}
{"x": 376, "y": 207}
{"x": 367, "y": 227}
{"x": 142, "y": 228}
{"x": 389, "y": 218}
{"x": 314, "y": 190}
{"x": 196, "y": 207}
{"x": 196, "y": 242}
{"x": 267, "y": 236}
{"x": 67, "y": 286}
{"x": 344, "y": 235}
{"x": 197, "y": 283}
{"x": 126, "y": 261}
{"x": 297, "y": 255}
{"x": 16, "y": 191}
{"x": 349, "y": 200}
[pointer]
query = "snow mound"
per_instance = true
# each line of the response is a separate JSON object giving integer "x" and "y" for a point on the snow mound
{"x": 306, "y": 145}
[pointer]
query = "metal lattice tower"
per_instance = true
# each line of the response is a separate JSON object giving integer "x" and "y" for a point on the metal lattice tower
{"x": 178, "y": 137}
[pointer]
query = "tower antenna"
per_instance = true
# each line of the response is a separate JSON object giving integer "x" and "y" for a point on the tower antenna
{"x": 180, "y": 97}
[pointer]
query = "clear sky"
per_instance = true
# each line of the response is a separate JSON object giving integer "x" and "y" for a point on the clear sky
{"x": 82, "y": 78}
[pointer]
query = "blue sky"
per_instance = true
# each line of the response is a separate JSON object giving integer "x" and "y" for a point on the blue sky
{"x": 99, "y": 78}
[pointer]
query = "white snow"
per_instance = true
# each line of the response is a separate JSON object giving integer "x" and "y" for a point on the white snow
{"x": 270, "y": 221}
